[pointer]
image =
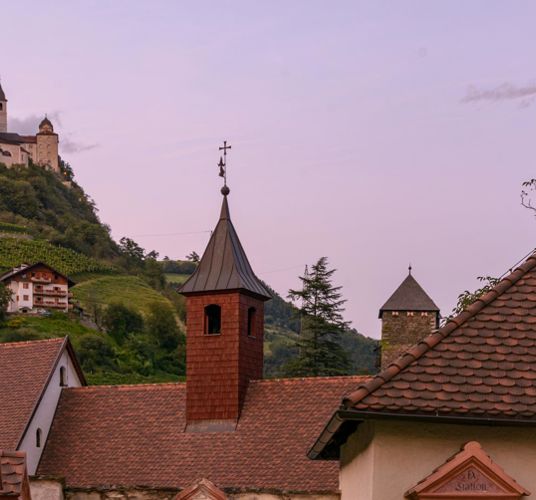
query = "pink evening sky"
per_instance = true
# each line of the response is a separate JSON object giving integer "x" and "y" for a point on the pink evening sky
{"x": 376, "y": 133}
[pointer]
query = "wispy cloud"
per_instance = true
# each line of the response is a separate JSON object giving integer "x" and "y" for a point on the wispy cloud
{"x": 30, "y": 124}
{"x": 505, "y": 92}
{"x": 68, "y": 145}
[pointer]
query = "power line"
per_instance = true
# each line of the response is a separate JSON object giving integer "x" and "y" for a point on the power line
{"x": 170, "y": 234}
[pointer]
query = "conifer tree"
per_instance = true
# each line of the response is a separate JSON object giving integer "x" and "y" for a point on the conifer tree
{"x": 322, "y": 320}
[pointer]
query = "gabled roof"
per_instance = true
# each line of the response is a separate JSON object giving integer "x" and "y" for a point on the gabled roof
{"x": 25, "y": 268}
{"x": 480, "y": 366}
{"x": 143, "y": 440}
{"x": 471, "y": 466}
{"x": 2, "y": 94}
{"x": 409, "y": 296}
{"x": 13, "y": 475}
{"x": 224, "y": 265}
{"x": 203, "y": 489}
{"x": 25, "y": 369}
{"x": 14, "y": 138}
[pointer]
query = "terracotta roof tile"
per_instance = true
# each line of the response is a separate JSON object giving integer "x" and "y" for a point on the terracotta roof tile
{"x": 13, "y": 475}
{"x": 24, "y": 370}
{"x": 134, "y": 435}
{"x": 481, "y": 363}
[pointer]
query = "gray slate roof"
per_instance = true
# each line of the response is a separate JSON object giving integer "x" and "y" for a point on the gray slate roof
{"x": 2, "y": 95}
{"x": 224, "y": 265}
{"x": 409, "y": 296}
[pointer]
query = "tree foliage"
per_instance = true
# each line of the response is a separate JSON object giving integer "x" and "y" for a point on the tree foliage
{"x": 5, "y": 299}
{"x": 321, "y": 307}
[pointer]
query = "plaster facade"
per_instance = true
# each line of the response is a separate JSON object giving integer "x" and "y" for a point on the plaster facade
{"x": 382, "y": 460}
{"x": 44, "y": 413}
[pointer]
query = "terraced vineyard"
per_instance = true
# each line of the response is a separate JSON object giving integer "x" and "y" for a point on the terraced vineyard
{"x": 14, "y": 251}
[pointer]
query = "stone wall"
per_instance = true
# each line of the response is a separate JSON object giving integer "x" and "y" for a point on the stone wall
{"x": 47, "y": 489}
{"x": 402, "y": 330}
{"x": 47, "y": 151}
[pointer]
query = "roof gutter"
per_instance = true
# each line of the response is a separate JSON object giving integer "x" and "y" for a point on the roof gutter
{"x": 345, "y": 415}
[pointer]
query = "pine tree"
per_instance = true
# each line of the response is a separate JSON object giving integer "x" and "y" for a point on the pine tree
{"x": 322, "y": 320}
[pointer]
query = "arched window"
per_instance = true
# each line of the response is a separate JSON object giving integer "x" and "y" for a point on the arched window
{"x": 38, "y": 437}
{"x": 252, "y": 316}
{"x": 63, "y": 377}
{"x": 213, "y": 319}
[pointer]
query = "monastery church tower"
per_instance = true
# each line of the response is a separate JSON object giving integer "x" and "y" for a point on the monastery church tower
{"x": 224, "y": 331}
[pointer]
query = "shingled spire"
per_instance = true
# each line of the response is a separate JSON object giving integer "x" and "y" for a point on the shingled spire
{"x": 225, "y": 329}
{"x": 3, "y": 110}
{"x": 407, "y": 317}
{"x": 224, "y": 265}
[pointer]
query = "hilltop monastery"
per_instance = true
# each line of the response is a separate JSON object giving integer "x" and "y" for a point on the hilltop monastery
{"x": 16, "y": 149}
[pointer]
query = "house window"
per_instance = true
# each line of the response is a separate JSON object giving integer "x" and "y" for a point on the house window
{"x": 424, "y": 314}
{"x": 212, "y": 319}
{"x": 25, "y": 297}
{"x": 63, "y": 377}
{"x": 38, "y": 438}
{"x": 252, "y": 316}
{"x": 410, "y": 313}
{"x": 395, "y": 313}
{"x": 25, "y": 285}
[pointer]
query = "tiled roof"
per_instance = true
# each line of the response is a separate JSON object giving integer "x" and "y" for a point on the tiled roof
{"x": 25, "y": 268}
{"x": 13, "y": 475}
{"x": 24, "y": 371}
{"x": 481, "y": 364}
{"x": 134, "y": 435}
{"x": 13, "y": 138}
{"x": 409, "y": 296}
{"x": 2, "y": 94}
{"x": 224, "y": 265}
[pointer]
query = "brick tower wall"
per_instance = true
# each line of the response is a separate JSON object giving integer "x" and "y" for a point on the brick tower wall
{"x": 219, "y": 366}
{"x": 402, "y": 330}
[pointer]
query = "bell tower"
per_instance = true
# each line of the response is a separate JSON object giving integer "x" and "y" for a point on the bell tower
{"x": 3, "y": 110}
{"x": 407, "y": 317}
{"x": 224, "y": 329}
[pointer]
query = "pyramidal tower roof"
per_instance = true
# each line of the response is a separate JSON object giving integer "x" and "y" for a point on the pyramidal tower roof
{"x": 2, "y": 94}
{"x": 409, "y": 296}
{"x": 224, "y": 265}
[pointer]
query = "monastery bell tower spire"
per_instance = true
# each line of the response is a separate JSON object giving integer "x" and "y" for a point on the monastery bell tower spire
{"x": 3, "y": 110}
{"x": 225, "y": 327}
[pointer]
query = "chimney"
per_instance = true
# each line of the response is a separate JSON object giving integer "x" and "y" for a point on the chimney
{"x": 407, "y": 317}
{"x": 224, "y": 330}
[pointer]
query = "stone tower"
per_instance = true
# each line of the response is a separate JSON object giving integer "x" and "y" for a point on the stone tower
{"x": 225, "y": 330}
{"x": 3, "y": 110}
{"x": 407, "y": 317}
{"x": 47, "y": 146}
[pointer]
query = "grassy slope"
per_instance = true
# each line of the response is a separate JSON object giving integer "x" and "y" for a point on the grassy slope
{"x": 129, "y": 290}
{"x": 176, "y": 279}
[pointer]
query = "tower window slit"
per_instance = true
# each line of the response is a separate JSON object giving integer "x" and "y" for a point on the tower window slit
{"x": 252, "y": 316}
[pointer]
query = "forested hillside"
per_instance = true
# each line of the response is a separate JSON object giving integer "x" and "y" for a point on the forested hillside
{"x": 128, "y": 323}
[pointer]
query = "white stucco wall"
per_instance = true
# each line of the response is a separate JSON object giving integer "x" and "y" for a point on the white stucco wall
{"x": 385, "y": 459}
{"x": 42, "y": 418}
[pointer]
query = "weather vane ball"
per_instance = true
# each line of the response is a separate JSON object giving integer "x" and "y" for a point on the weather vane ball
{"x": 223, "y": 168}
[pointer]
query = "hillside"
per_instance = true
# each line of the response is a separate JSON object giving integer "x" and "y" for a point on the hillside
{"x": 132, "y": 324}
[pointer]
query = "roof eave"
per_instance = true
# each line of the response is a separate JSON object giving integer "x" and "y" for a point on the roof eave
{"x": 333, "y": 435}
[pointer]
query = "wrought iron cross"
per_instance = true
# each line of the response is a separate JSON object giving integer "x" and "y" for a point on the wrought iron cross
{"x": 223, "y": 162}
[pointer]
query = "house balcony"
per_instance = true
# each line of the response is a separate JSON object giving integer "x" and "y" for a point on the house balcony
{"x": 48, "y": 304}
{"x": 41, "y": 279}
{"x": 50, "y": 293}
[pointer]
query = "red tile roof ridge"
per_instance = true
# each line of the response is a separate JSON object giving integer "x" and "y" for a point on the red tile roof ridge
{"x": 430, "y": 341}
{"x": 119, "y": 387}
{"x": 309, "y": 379}
{"x": 18, "y": 343}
